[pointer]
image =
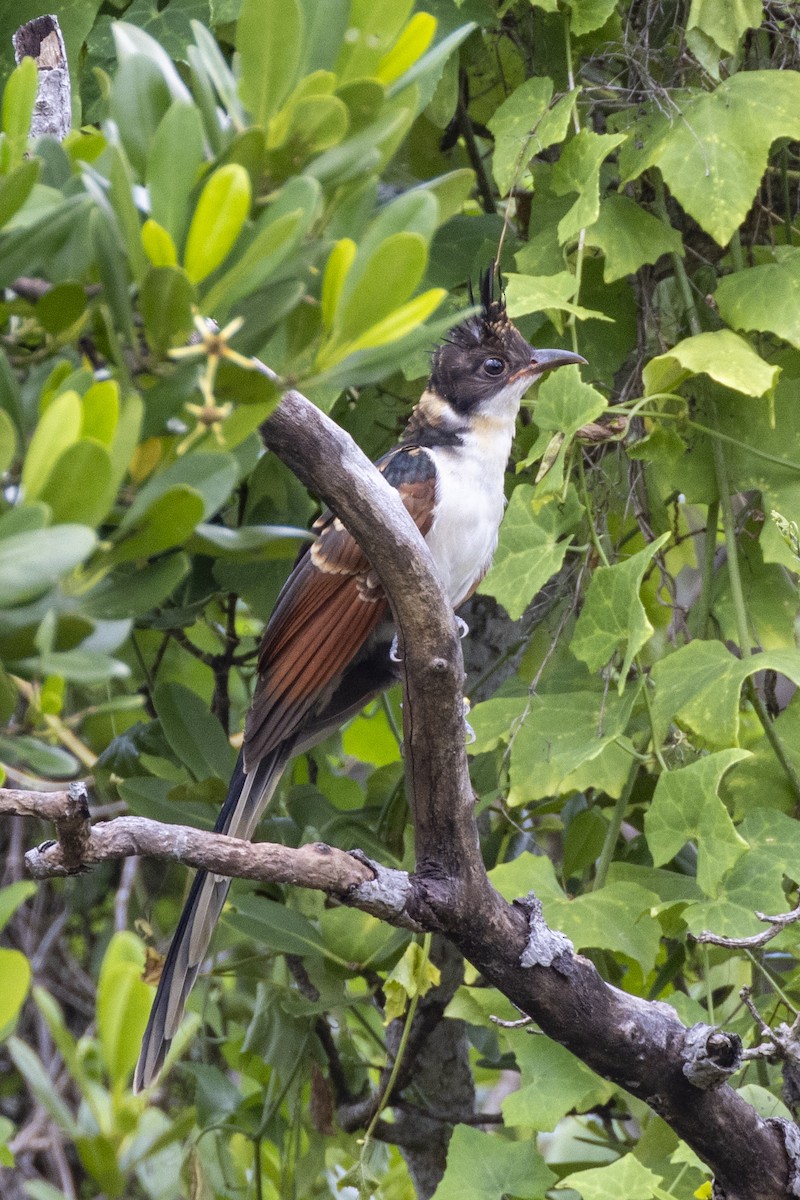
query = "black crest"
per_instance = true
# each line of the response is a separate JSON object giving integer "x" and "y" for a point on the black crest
{"x": 457, "y": 373}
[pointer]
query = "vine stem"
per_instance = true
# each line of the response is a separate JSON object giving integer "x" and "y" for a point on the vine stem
{"x": 707, "y": 579}
{"x": 614, "y": 826}
{"x": 740, "y": 609}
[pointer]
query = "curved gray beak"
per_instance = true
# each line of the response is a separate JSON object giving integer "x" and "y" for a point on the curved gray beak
{"x": 548, "y": 360}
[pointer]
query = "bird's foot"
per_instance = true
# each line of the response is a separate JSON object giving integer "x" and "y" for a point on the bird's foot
{"x": 462, "y": 627}
{"x": 394, "y": 653}
{"x": 471, "y": 735}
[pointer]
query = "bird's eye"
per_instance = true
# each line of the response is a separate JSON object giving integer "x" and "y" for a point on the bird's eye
{"x": 494, "y": 366}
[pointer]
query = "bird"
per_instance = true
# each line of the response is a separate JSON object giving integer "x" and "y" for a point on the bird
{"x": 328, "y": 647}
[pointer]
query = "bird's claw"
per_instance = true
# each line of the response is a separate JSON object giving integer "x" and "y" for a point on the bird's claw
{"x": 462, "y": 627}
{"x": 394, "y": 653}
{"x": 471, "y": 735}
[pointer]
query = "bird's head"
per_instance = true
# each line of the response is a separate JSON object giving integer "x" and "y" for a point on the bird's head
{"x": 485, "y": 361}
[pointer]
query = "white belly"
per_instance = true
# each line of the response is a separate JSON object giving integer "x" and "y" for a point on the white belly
{"x": 469, "y": 509}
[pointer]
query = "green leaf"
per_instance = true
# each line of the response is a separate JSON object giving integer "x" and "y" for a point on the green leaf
{"x": 269, "y": 41}
{"x": 40, "y": 1083}
{"x": 61, "y": 307}
{"x": 553, "y": 1083}
{"x": 18, "y": 100}
{"x": 618, "y": 917}
{"x": 712, "y": 147}
{"x": 540, "y": 293}
{"x": 629, "y": 237}
{"x": 134, "y": 592}
{"x": 15, "y": 972}
{"x": 725, "y": 21}
{"x": 123, "y": 1005}
{"x": 249, "y": 542}
{"x": 412, "y": 975}
{"x": 213, "y": 475}
{"x": 401, "y": 321}
{"x": 531, "y": 548}
{"x": 392, "y": 273}
{"x": 113, "y": 268}
{"x": 166, "y": 300}
{"x": 272, "y": 244}
{"x": 578, "y": 170}
{"x": 613, "y": 616}
{"x": 58, "y": 428}
{"x": 482, "y": 1166}
{"x": 8, "y": 441}
{"x": 723, "y": 355}
{"x": 194, "y": 734}
{"x": 588, "y": 15}
{"x": 50, "y": 761}
{"x": 626, "y": 1177}
{"x": 30, "y": 563}
{"x": 275, "y": 925}
{"x": 76, "y": 666}
{"x": 167, "y": 522}
{"x": 173, "y": 165}
{"x": 12, "y": 896}
{"x": 218, "y": 219}
{"x": 16, "y": 187}
{"x": 80, "y": 487}
{"x": 686, "y": 806}
{"x": 515, "y": 125}
{"x": 699, "y": 686}
{"x": 765, "y": 298}
{"x": 564, "y": 404}
{"x": 340, "y": 260}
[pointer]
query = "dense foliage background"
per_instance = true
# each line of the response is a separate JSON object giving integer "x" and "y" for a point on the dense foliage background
{"x": 330, "y": 175}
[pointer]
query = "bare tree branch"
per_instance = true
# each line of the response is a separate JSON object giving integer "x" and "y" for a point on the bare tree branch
{"x": 642, "y": 1046}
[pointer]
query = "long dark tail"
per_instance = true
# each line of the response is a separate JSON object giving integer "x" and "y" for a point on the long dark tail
{"x": 248, "y": 795}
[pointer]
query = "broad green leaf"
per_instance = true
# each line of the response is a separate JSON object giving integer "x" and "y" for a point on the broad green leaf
{"x": 194, "y": 734}
{"x": 578, "y": 170}
{"x": 723, "y": 355}
{"x": 61, "y": 307}
{"x": 618, "y": 917}
{"x": 340, "y": 260}
{"x": 40, "y": 1083}
{"x": 564, "y": 404}
{"x": 213, "y": 475}
{"x": 217, "y": 221}
{"x": 765, "y": 298}
{"x": 12, "y": 896}
{"x": 400, "y": 322}
{"x": 515, "y": 127}
{"x": 393, "y": 272}
{"x": 686, "y": 806}
{"x": 32, "y": 562}
{"x": 8, "y": 441}
{"x": 275, "y": 925}
{"x": 413, "y": 975}
{"x": 358, "y": 938}
{"x": 588, "y": 15}
{"x": 18, "y": 100}
{"x": 539, "y": 293}
{"x": 112, "y": 265}
{"x": 267, "y": 251}
{"x": 699, "y": 686}
{"x": 50, "y": 761}
{"x": 58, "y": 427}
{"x": 409, "y": 47}
{"x": 712, "y": 147}
{"x": 166, "y": 298}
{"x": 15, "y": 972}
{"x": 481, "y": 1166}
{"x": 85, "y": 463}
{"x": 725, "y": 21}
{"x": 613, "y": 615}
{"x": 629, "y": 237}
{"x": 134, "y": 592}
{"x": 532, "y": 545}
{"x": 167, "y": 522}
{"x": 158, "y": 245}
{"x": 269, "y": 41}
{"x": 123, "y": 1005}
{"x": 16, "y": 187}
{"x": 76, "y": 666}
{"x": 553, "y": 1083}
{"x": 101, "y": 408}
{"x": 176, "y": 155}
{"x": 626, "y": 1177}
{"x": 248, "y": 541}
